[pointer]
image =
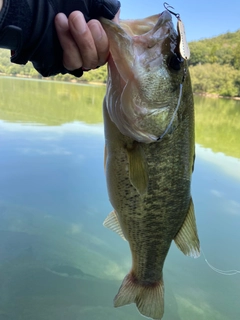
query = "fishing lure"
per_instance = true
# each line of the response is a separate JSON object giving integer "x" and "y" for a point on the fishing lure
{"x": 183, "y": 45}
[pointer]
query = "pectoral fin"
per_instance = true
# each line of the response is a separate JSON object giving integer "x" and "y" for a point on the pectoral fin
{"x": 187, "y": 238}
{"x": 112, "y": 223}
{"x": 138, "y": 168}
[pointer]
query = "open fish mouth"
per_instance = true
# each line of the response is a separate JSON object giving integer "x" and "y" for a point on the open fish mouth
{"x": 165, "y": 16}
{"x": 144, "y": 54}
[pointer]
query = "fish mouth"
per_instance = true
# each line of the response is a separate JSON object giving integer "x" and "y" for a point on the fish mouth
{"x": 163, "y": 27}
{"x": 147, "y": 46}
{"x": 165, "y": 16}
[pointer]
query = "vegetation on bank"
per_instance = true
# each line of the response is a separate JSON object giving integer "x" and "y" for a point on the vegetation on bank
{"x": 214, "y": 67}
{"x": 12, "y": 69}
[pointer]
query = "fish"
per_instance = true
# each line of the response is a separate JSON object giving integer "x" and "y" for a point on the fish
{"x": 148, "y": 113}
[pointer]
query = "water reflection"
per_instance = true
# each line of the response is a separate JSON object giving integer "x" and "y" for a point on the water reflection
{"x": 49, "y": 103}
{"x": 218, "y": 125}
{"x": 56, "y": 259}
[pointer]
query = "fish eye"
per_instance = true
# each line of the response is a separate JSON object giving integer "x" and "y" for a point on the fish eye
{"x": 175, "y": 62}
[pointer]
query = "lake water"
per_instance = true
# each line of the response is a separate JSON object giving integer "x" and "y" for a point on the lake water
{"x": 57, "y": 261}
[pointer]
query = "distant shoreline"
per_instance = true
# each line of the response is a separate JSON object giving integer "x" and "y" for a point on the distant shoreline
{"x": 203, "y": 94}
{"x": 25, "y": 77}
{"x": 216, "y": 96}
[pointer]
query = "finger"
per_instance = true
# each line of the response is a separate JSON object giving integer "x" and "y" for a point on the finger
{"x": 71, "y": 56}
{"x": 100, "y": 40}
{"x": 84, "y": 40}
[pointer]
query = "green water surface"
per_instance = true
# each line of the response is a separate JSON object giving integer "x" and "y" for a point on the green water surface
{"x": 57, "y": 261}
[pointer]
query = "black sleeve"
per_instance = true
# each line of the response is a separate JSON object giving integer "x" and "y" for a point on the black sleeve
{"x": 27, "y": 29}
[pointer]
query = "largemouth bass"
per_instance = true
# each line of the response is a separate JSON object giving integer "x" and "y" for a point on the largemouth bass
{"x": 149, "y": 153}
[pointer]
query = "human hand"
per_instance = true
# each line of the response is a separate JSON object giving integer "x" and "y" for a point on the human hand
{"x": 31, "y": 35}
{"x": 85, "y": 45}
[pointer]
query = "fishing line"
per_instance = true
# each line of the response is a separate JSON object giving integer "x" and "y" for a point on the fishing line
{"x": 174, "y": 113}
{"x": 176, "y": 109}
{"x": 223, "y": 272}
{"x": 185, "y": 54}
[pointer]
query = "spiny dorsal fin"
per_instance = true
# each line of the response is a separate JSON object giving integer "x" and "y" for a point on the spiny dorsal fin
{"x": 138, "y": 168}
{"x": 112, "y": 223}
{"x": 187, "y": 238}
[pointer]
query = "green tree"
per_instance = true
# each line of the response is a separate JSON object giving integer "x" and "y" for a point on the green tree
{"x": 215, "y": 79}
{"x": 236, "y": 57}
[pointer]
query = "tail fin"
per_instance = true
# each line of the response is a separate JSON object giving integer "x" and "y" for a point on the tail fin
{"x": 148, "y": 298}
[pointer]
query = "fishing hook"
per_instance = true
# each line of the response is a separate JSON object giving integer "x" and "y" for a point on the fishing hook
{"x": 167, "y": 6}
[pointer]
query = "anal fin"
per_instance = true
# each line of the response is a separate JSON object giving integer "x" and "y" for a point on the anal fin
{"x": 112, "y": 223}
{"x": 187, "y": 238}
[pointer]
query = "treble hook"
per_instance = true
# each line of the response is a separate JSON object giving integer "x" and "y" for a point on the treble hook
{"x": 167, "y": 6}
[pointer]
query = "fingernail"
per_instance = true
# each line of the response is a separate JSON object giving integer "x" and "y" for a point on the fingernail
{"x": 79, "y": 23}
{"x": 61, "y": 21}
